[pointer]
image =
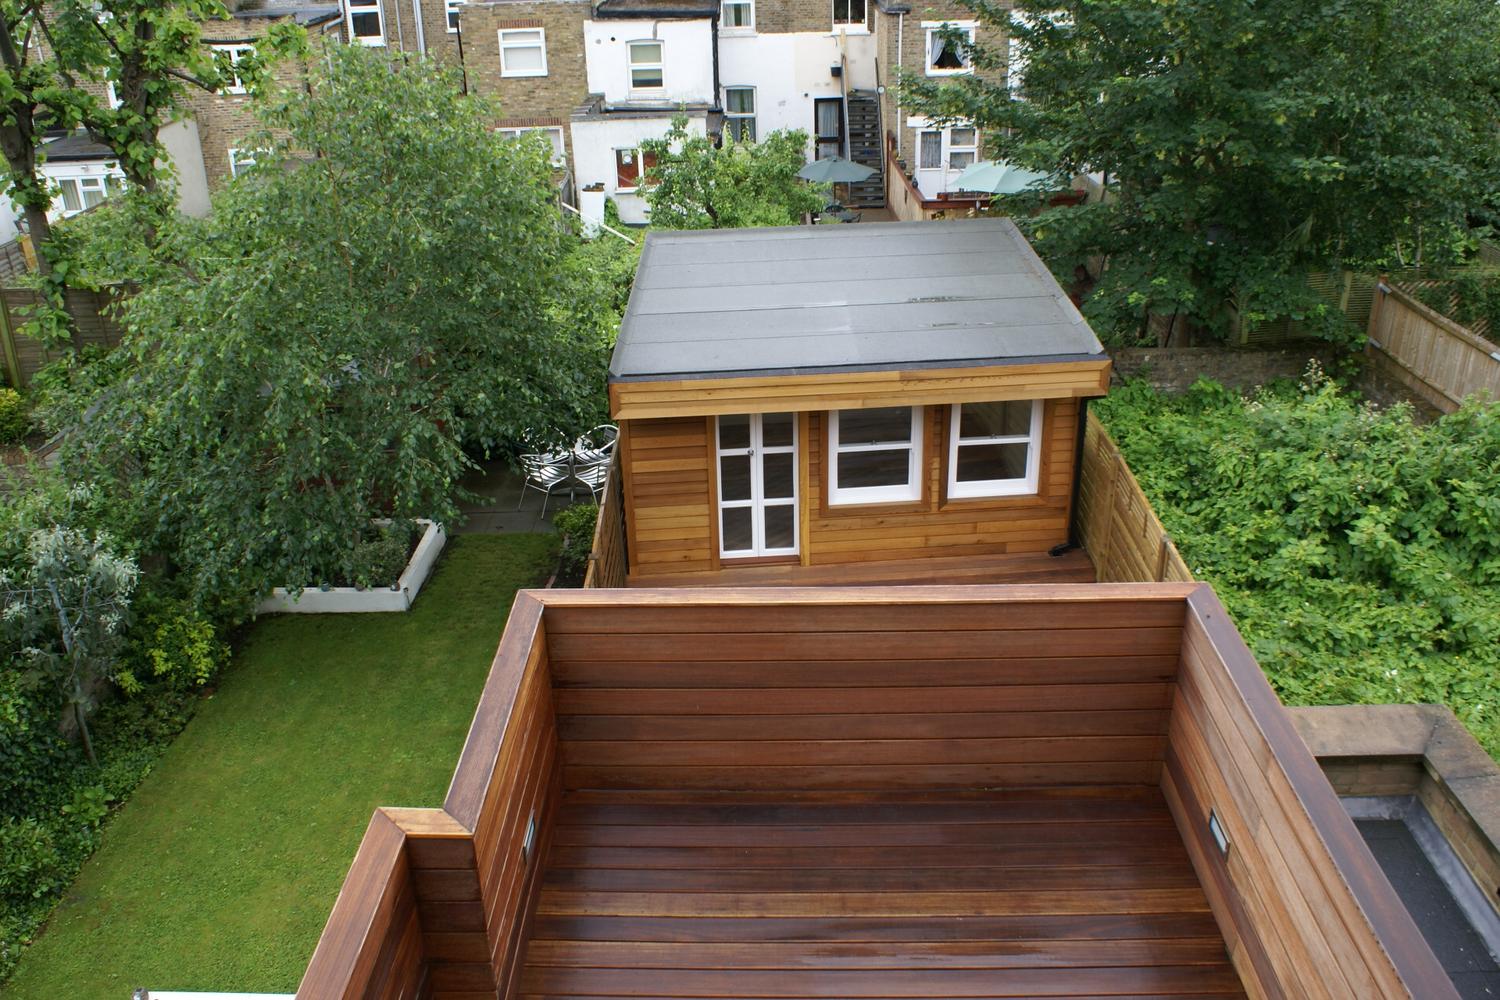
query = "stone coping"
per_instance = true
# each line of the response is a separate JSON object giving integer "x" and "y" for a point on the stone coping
{"x": 1414, "y": 750}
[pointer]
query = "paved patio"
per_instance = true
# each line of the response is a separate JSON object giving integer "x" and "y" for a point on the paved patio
{"x": 500, "y": 491}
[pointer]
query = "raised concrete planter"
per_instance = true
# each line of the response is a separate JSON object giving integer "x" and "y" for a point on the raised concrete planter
{"x": 352, "y": 600}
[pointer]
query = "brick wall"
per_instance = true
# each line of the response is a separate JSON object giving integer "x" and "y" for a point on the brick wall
{"x": 784, "y": 16}
{"x": 546, "y": 101}
{"x": 1174, "y": 369}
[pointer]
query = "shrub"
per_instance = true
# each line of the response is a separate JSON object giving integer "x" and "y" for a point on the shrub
{"x": 576, "y": 525}
{"x": 1358, "y": 551}
{"x": 15, "y": 418}
{"x": 31, "y": 866}
{"x": 380, "y": 558}
{"x": 172, "y": 642}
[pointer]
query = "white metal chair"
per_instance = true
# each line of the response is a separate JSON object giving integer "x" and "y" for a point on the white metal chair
{"x": 546, "y": 474}
{"x": 597, "y": 445}
{"x": 593, "y": 475}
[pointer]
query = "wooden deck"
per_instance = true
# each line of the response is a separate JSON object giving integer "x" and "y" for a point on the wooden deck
{"x": 1080, "y": 892}
{"x": 1070, "y": 567}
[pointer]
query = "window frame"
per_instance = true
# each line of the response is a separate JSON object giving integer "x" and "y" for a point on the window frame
{"x": 730, "y": 117}
{"x": 640, "y": 170}
{"x": 560, "y": 154}
{"x": 725, "y": 28}
{"x": 375, "y": 7}
{"x": 980, "y": 489}
{"x": 660, "y": 65}
{"x": 100, "y": 184}
{"x": 856, "y": 495}
{"x": 234, "y": 49}
{"x": 755, "y": 450}
{"x": 540, "y": 43}
{"x": 242, "y": 158}
{"x": 862, "y": 24}
{"x": 931, "y": 28}
{"x": 451, "y": 9}
{"x": 951, "y": 148}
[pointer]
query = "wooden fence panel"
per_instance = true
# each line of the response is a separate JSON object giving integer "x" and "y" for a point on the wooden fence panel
{"x": 1117, "y": 526}
{"x": 23, "y": 356}
{"x": 607, "y": 561}
{"x": 1448, "y": 362}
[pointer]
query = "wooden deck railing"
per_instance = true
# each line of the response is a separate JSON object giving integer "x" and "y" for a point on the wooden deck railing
{"x": 607, "y": 560}
{"x": 1116, "y": 524}
{"x": 1444, "y": 361}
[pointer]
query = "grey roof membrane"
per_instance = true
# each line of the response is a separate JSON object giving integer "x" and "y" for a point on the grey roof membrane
{"x": 898, "y": 295}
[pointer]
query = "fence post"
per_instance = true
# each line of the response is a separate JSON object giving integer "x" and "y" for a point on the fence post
{"x": 8, "y": 345}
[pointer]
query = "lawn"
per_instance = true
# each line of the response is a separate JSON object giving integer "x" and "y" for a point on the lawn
{"x": 219, "y": 872}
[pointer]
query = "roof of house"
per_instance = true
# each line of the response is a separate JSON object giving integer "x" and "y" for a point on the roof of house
{"x": 75, "y": 147}
{"x": 885, "y": 296}
{"x": 656, "y": 8}
{"x": 300, "y": 11}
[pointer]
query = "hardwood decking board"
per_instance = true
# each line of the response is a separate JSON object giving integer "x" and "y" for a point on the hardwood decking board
{"x": 1035, "y": 893}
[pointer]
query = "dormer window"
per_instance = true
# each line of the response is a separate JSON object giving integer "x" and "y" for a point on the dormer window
{"x": 645, "y": 65}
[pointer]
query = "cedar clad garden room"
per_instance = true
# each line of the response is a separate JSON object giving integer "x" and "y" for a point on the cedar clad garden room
{"x": 881, "y": 403}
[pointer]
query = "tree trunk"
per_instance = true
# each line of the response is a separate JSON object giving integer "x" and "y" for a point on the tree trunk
{"x": 81, "y": 717}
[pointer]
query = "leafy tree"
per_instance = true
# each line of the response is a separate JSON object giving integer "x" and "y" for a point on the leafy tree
{"x": 66, "y": 612}
{"x": 1245, "y": 143}
{"x": 33, "y": 100}
{"x": 380, "y": 290}
{"x": 152, "y": 53}
{"x": 698, "y": 185}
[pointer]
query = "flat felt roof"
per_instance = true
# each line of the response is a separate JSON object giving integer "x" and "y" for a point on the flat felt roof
{"x": 805, "y": 299}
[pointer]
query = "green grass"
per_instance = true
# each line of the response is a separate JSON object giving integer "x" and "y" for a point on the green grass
{"x": 219, "y": 872}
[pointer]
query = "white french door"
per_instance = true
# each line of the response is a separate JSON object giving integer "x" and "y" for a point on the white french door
{"x": 757, "y": 468}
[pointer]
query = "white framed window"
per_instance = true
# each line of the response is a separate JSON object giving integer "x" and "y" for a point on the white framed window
{"x": 241, "y": 160}
{"x": 233, "y": 54}
{"x": 554, "y": 138}
{"x": 737, "y": 15}
{"x": 875, "y": 455}
{"x": 111, "y": 94}
{"x": 366, "y": 21}
{"x": 757, "y": 481}
{"x": 645, "y": 65}
{"x": 523, "y": 52}
{"x": 739, "y": 113}
{"x": 994, "y": 449}
{"x": 848, "y": 14}
{"x": 954, "y": 148}
{"x": 963, "y": 146}
{"x": 631, "y": 169}
{"x": 948, "y": 56}
{"x": 451, "y": 9}
{"x": 79, "y": 194}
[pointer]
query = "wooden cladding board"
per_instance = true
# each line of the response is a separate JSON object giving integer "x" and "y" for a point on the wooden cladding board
{"x": 1021, "y": 893}
{"x": 1116, "y": 522}
{"x": 371, "y": 948}
{"x": 672, "y": 509}
{"x": 647, "y": 400}
{"x": 1305, "y": 911}
{"x": 884, "y": 696}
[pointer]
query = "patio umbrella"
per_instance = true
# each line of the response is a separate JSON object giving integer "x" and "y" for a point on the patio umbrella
{"x": 835, "y": 170}
{"x": 999, "y": 177}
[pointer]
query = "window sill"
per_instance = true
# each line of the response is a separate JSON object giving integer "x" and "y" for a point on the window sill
{"x": 850, "y": 31}
{"x": 949, "y": 72}
{"x": 858, "y": 508}
{"x": 521, "y": 75}
{"x": 733, "y": 562}
{"x": 738, "y": 32}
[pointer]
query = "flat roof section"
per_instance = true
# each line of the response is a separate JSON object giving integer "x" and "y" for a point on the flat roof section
{"x": 725, "y": 303}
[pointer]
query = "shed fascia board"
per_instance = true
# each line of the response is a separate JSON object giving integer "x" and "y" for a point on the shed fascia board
{"x": 1065, "y": 378}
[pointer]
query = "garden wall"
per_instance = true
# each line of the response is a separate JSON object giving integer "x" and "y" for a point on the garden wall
{"x": 1175, "y": 369}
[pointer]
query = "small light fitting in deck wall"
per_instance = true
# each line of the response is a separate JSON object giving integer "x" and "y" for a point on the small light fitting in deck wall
{"x": 1217, "y": 829}
{"x": 528, "y": 842}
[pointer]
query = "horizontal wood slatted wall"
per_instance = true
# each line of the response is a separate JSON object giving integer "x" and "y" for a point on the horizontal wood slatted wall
{"x": 668, "y": 498}
{"x": 25, "y": 355}
{"x": 1448, "y": 358}
{"x": 784, "y": 695}
{"x": 1304, "y": 908}
{"x": 938, "y": 528}
{"x": 1116, "y": 524}
{"x": 607, "y": 560}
